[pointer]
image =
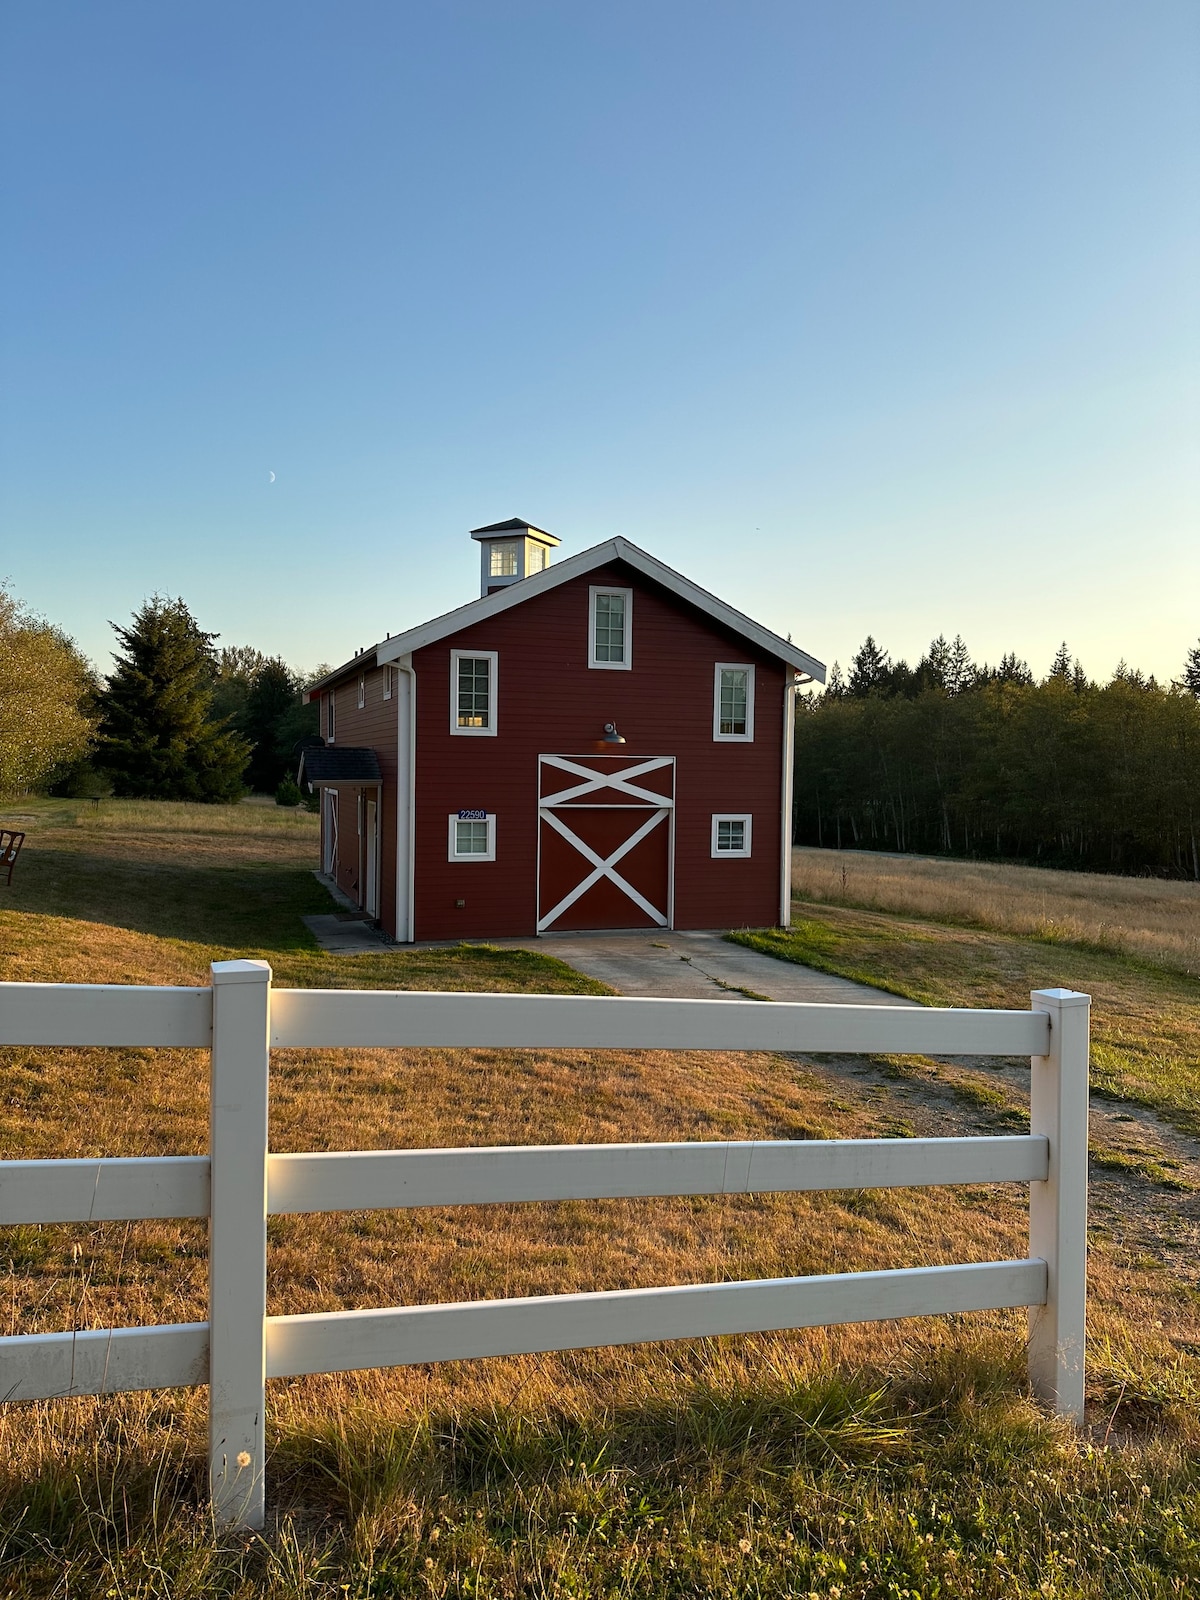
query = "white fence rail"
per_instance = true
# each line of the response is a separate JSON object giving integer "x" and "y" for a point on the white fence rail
{"x": 239, "y": 1184}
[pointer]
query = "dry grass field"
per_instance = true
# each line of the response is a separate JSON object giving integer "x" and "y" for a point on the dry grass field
{"x": 902, "y": 1461}
{"x": 1148, "y": 917}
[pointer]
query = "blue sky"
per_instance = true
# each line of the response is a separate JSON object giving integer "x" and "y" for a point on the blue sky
{"x": 868, "y": 316}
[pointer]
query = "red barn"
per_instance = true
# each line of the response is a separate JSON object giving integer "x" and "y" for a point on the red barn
{"x": 597, "y": 743}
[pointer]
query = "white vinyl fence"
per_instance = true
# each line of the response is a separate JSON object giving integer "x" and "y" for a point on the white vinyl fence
{"x": 239, "y": 1184}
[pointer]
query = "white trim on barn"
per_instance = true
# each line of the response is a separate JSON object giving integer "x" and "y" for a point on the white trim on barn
{"x": 625, "y": 664}
{"x": 747, "y": 734}
{"x": 730, "y": 851}
{"x": 492, "y": 658}
{"x": 612, "y": 550}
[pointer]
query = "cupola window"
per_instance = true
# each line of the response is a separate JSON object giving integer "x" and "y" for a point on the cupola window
{"x": 504, "y": 561}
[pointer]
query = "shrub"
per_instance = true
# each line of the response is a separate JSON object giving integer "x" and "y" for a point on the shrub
{"x": 288, "y": 793}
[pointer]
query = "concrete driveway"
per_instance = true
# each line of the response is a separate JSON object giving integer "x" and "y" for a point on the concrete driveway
{"x": 696, "y": 966}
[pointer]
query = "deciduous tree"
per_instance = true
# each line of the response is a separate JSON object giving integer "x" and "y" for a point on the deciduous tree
{"x": 45, "y": 691}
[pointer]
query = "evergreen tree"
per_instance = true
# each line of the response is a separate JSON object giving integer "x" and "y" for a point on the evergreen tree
{"x": 836, "y": 686}
{"x": 868, "y": 669}
{"x": 274, "y": 719}
{"x": 1191, "y": 671}
{"x": 933, "y": 667}
{"x": 1060, "y": 667}
{"x": 960, "y": 669}
{"x": 158, "y": 736}
{"x": 1012, "y": 670}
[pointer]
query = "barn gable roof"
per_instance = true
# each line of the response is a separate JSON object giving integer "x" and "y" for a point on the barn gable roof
{"x": 600, "y": 555}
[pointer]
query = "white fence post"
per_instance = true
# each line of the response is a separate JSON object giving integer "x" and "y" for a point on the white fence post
{"x": 237, "y": 1261}
{"x": 1058, "y": 1206}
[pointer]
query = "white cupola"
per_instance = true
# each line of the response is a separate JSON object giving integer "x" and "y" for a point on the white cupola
{"x": 510, "y": 551}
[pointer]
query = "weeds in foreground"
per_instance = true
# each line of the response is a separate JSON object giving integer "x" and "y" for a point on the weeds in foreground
{"x": 745, "y": 1468}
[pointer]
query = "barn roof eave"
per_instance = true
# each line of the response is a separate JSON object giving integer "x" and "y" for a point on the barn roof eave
{"x": 402, "y": 644}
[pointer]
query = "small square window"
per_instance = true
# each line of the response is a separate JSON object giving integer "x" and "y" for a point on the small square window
{"x": 731, "y": 834}
{"x": 472, "y": 836}
{"x": 473, "y": 691}
{"x": 609, "y": 623}
{"x": 504, "y": 561}
{"x": 733, "y": 701}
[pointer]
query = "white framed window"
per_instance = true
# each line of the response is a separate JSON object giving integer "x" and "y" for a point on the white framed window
{"x": 610, "y": 629}
{"x": 362, "y": 690}
{"x": 733, "y": 701}
{"x": 504, "y": 561}
{"x": 473, "y": 675}
{"x": 329, "y": 715}
{"x": 472, "y": 836}
{"x": 387, "y": 682}
{"x": 731, "y": 833}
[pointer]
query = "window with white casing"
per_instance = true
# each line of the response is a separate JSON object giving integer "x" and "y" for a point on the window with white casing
{"x": 362, "y": 690}
{"x": 610, "y": 624}
{"x": 387, "y": 682}
{"x": 504, "y": 561}
{"x": 733, "y": 701}
{"x": 472, "y": 836}
{"x": 731, "y": 833}
{"x": 329, "y": 717}
{"x": 473, "y": 675}
{"x": 537, "y": 558}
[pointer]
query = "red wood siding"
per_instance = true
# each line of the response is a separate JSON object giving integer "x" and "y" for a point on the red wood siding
{"x": 373, "y": 727}
{"x": 550, "y": 702}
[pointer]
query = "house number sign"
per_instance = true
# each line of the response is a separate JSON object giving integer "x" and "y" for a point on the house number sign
{"x": 472, "y": 816}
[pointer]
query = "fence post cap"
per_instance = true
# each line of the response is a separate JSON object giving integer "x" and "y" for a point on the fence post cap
{"x": 1059, "y": 997}
{"x": 241, "y": 972}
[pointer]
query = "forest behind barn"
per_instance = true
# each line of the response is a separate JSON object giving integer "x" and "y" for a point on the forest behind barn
{"x": 950, "y": 758}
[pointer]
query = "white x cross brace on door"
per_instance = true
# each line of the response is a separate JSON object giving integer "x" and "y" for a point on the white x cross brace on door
{"x": 626, "y": 795}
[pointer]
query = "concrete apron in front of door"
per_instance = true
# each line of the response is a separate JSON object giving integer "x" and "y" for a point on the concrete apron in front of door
{"x": 695, "y": 966}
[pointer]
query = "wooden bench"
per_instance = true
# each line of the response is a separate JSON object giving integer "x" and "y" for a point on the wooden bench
{"x": 10, "y": 849}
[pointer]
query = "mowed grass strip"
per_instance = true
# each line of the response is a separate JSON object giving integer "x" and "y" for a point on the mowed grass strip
{"x": 1145, "y": 1019}
{"x": 894, "y": 1459}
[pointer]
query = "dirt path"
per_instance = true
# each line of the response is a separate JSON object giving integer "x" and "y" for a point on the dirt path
{"x": 1145, "y": 1174}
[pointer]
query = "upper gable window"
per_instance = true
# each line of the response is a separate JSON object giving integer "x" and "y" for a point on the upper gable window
{"x": 504, "y": 561}
{"x": 610, "y": 622}
{"x": 329, "y": 716}
{"x": 733, "y": 701}
{"x": 362, "y": 690}
{"x": 473, "y": 676}
{"x": 387, "y": 682}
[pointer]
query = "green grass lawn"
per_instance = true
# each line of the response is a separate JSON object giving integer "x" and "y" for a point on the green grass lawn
{"x": 894, "y": 1462}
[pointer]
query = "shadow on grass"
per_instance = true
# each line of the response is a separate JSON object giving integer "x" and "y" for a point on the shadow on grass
{"x": 243, "y": 905}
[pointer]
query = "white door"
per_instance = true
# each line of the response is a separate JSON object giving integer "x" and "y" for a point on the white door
{"x": 371, "y": 900}
{"x": 331, "y": 832}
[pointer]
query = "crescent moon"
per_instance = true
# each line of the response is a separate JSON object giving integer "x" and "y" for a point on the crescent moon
{"x": 272, "y": 477}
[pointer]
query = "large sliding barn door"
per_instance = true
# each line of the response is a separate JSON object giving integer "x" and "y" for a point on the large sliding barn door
{"x": 605, "y": 841}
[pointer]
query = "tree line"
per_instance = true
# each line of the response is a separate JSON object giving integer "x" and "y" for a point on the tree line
{"x": 176, "y": 718}
{"x": 952, "y": 758}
